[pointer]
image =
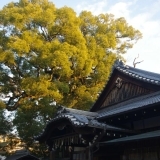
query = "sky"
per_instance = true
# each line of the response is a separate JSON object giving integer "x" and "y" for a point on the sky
{"x": 143, "y": 15}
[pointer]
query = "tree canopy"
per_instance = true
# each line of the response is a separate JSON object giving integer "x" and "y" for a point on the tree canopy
{"x": 51, "y": 55}
{"x": 5, "y": 124}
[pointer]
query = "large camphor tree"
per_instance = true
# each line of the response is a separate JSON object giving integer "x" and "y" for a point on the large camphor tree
{"x": 51, "y": 56}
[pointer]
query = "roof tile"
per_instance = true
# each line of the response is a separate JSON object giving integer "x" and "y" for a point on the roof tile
{"x": 129, "y": 105}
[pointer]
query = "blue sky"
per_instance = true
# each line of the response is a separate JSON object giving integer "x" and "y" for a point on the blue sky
{"x": 141, "y": 14}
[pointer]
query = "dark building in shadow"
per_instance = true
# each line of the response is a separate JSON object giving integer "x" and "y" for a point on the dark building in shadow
{"x": 22, "y": 155}
{"x": 123, "y": 124}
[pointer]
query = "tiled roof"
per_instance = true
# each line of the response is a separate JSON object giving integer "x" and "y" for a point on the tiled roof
{"x": 142, "y": 75}
{"x": 78, "y": 120}
{"x": 130, "y": 105}
{"x": 136, "y": 73}
{"x": 81, "y": 112}
{"x": 153, "y": 134}
{"x": 82, "y": 121}
{"x": 77, "y": 117}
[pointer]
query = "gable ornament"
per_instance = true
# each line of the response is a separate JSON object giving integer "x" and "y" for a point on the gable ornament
{"x": 118, "y": 82}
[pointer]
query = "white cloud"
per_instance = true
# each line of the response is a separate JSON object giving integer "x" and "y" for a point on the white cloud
{"x": 148, "y": 48}
{"x": 96, "y": 8}
{"x": 120, "y": 9}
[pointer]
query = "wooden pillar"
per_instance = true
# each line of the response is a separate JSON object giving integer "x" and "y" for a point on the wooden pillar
{"x": 52, "y": 155}
{"x": 90, "y": 153}
{"x": 71, "y": 150}
{"x": 51, "y": 150}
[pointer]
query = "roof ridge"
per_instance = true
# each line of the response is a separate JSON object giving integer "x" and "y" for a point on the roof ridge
{"x": 137, "y": 73}
{"x": 63, "y": 109}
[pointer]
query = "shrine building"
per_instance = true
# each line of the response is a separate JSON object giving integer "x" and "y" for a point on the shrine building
{"x": 123, "y": 124}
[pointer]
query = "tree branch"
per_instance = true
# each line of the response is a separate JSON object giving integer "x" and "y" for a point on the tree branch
{"x": 135, "y": 63}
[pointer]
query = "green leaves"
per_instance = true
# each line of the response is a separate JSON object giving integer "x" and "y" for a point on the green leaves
{"x": 5, "y": 125}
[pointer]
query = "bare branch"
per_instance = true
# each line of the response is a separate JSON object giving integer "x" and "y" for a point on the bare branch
{"x": 135, "y": 63}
